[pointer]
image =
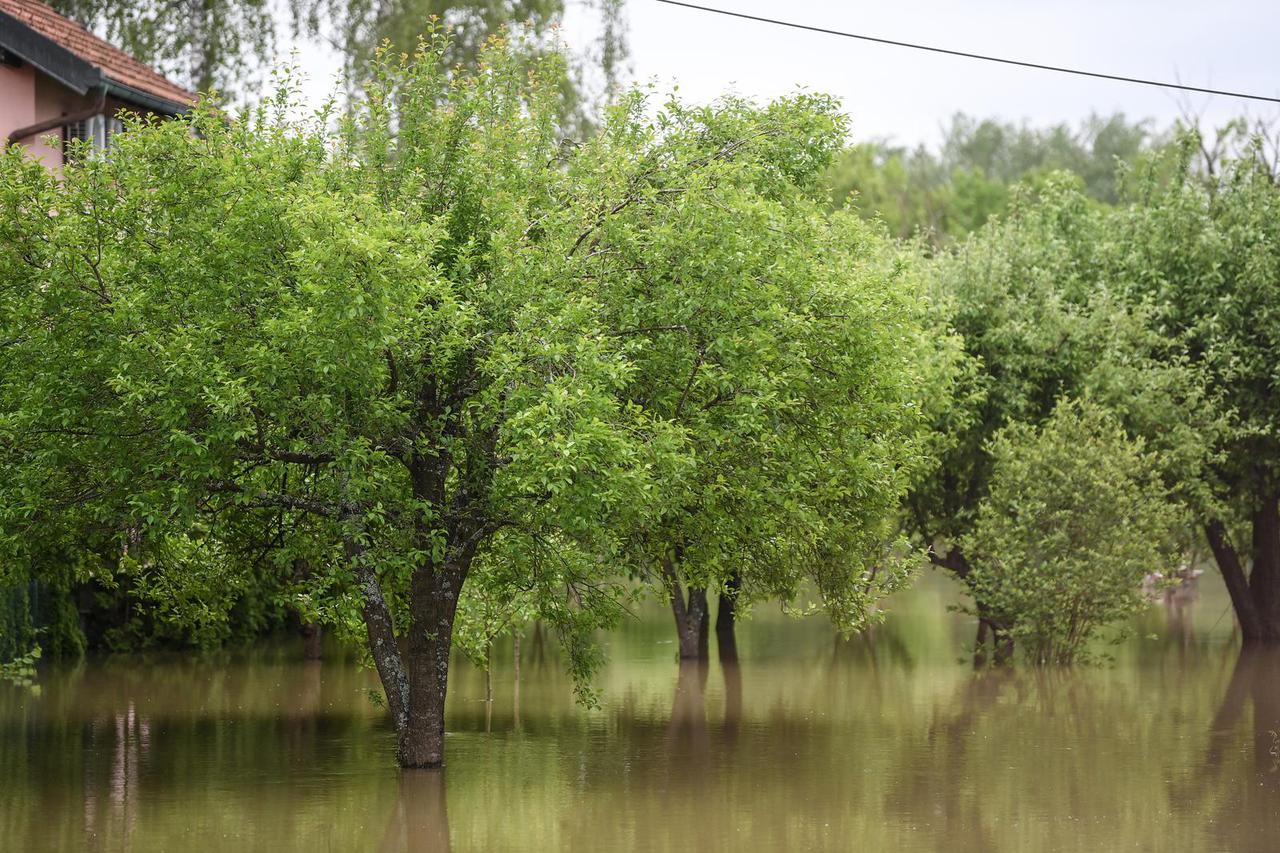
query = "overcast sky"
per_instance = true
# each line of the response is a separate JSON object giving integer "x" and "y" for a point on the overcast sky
{"x": 907, "y": 95}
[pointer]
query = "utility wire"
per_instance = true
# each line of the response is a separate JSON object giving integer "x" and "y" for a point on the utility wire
{"x": 967, "y": 55}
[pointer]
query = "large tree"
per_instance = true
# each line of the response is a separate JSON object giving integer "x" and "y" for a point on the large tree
{"x": 792, "y": 351}
{"x": 378, "y": 347}
{"x": 1201, "y": 245}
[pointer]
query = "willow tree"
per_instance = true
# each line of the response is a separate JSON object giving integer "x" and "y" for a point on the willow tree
{"x": 209, "y": 44}
{"x": 358, "y": 29}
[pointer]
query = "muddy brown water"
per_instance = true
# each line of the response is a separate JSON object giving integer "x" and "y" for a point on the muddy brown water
{"x": 888, "y": 741}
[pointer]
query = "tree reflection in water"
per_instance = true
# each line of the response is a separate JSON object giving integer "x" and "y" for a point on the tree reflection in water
{"x": 885, "y": 741}
{"x": 419, "y": 820}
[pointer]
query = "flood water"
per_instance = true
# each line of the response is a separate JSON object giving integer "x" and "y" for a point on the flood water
{"x": 885, "y": 742}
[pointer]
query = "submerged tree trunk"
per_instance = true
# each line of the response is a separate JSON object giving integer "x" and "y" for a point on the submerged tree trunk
{"x": 994, "y": 643}
{"x": 693, "y": 621}
{"x": 993, "y": 637}
{"x": 980, "y": 644}
{"x": 687, "y": 729}
{"x": 433, "y": 600}
{"x": 312, "y": 640}
{"x": 416, "y": 681}
{"x": 726, "y": 619}
{"x": 728, "y": 654}
{"x": 1255, "y": 596}
{"x": 419, "y": 819}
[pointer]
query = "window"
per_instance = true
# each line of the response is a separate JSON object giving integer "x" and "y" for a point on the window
{"x": 96, "y": 131}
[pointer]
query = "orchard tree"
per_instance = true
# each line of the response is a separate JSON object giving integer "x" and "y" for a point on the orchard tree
{"x": 790, "y": 354}
{"x": 788, "y": 347}
{"x": 373, "y": 350}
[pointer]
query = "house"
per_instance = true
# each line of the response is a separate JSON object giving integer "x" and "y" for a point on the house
{"x": 59, "y": 82}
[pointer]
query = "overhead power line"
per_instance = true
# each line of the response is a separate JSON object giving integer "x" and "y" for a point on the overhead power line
{"x": 967, "y": 55}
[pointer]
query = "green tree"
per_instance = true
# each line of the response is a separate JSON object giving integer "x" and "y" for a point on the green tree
{"x": 789, "y": 351}
{"x": 1075, "y": 517}
{"x": 1201, "y": 246}
{"x": 1040, "y": 305}
{"x": 374, "y": 350}
{"x": 969, "y": 180}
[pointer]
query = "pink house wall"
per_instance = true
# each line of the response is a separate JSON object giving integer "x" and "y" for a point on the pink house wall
{"x": 27, "y": 97}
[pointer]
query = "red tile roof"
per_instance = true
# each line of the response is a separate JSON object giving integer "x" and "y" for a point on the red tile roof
{"x": 114, "y": 63}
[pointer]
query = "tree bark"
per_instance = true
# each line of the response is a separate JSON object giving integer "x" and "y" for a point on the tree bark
{"x": 433, "y": 605}
{"x": 1254, "y": 596}
{"x": 383, "y": 646}
{"x": 692, "y": 623}
{"x": 691, "y": 616}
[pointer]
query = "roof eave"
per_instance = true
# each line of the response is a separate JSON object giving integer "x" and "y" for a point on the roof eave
{"x": 152, "y": 102}
{"x": 47, "y": 56}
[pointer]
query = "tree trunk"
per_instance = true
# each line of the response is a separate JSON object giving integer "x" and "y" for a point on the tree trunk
{"x": 692, "y": 620}
{"x": 691, "y": 623}
{"x": 1237, "y": 582}
{"x": 1255, "y": 596}
{"x": 1003, "y": 643}
{"x": 726, "y": 619}
{"x": 433, "y": 601}
{"x": 383, "y": 646}
{"x": 1264, "y": 580}
{"x": 312, "y": 640}
{"x": 980, "y": 644}
{"x": 416, "y": 682}
{"x": 728, "y": 653}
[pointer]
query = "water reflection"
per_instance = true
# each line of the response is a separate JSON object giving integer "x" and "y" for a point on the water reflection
{"x": 788, "y": 740}
{"x": 420, "y": 819}
{"x": 1251, "y": 702}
